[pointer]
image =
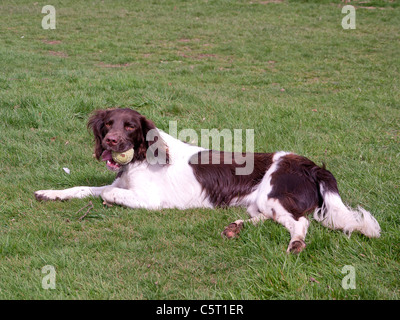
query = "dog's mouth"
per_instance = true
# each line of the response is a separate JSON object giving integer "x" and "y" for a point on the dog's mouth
{"x": 110, "y": 163}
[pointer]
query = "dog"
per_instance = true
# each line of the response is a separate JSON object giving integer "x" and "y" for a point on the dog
{"x": 168, "y": 173}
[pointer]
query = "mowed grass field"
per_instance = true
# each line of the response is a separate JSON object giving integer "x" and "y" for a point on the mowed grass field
{"x": 286, "y": 69}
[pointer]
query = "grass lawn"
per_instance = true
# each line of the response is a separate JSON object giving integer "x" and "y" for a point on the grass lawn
{"x": 286, "y": 69}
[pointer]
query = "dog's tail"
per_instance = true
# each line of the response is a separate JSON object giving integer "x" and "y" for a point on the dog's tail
{"x": 335, "y": 214}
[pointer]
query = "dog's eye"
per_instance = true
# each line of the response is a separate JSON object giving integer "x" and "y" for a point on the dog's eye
{"x": 129, "y": 127}
{"x": 108, "y": 125}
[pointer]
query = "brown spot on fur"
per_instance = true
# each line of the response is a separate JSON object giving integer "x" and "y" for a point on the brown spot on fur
{"x": 273, "y": 214}
{"x": 218, "y": 177}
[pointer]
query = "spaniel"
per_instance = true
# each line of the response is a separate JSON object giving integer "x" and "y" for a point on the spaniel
{"x": 168, "y": 173}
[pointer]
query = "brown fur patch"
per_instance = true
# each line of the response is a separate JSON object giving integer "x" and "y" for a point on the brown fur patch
{"x": 218, "y": 177}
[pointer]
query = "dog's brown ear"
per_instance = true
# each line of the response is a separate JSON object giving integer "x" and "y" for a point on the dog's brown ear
{"x": 96, "y": 123}
{"x": 150, "y": 136}
{"x": 146, "y": 125}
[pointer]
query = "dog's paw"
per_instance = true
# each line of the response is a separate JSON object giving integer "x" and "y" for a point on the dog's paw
{"x": 45, "y": 195}
{"x": 233, "y": 230}
{"x": 296, "y": 246}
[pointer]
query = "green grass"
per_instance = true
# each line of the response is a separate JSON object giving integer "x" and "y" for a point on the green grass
{"x": 206, "y": 64}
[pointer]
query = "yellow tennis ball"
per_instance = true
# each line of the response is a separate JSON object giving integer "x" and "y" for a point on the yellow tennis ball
{"x": 123, "y": 157}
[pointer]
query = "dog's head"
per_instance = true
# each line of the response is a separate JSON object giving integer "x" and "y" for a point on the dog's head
{"x": 120, "y": 130}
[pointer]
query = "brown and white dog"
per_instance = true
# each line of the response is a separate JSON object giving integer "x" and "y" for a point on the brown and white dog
{"x": 168, "y": 173}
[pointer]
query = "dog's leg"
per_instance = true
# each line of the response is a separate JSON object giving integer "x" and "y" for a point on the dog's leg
{"x": 274, "y": 210}
{"x": 66, "y": 194}
{"x": 129, "y": 198}
{"x": 298, "y": 235}
{"x": 233, "y": 230}
{"x": 297, "y": 228}
{"x": 252, "y": 210}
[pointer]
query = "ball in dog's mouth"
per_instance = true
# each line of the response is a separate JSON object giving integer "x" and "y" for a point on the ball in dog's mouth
{"x": 115, "y": 160}
{"x": 123, "y": 158}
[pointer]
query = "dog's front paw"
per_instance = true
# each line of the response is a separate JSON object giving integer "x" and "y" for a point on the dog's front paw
{"x": 45, "y": 195}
